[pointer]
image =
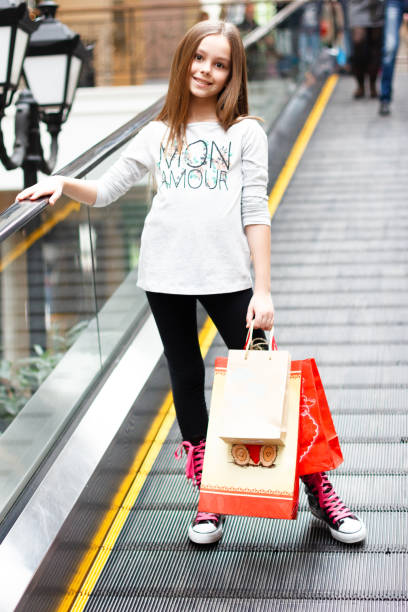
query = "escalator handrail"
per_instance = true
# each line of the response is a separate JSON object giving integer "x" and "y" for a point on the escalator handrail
{"x": 19, "y": 214}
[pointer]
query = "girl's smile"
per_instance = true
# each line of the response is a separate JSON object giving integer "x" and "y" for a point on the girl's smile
{"x": 210, "y": 67}
{"x": 201, "y": 82}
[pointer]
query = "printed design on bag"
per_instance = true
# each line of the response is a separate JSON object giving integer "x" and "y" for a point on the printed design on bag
{"x": 263, "y": 455}
{"x": 306, "y": 404}
{"x": 249, "y": 492}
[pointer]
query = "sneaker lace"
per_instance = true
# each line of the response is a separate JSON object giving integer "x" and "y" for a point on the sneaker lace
{"x": 206, "y": 516}
{"x": 327, "y": 496}
{"x": 195, "y": 460}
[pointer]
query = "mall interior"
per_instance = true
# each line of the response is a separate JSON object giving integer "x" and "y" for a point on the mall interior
{"x": 94, "y": 506}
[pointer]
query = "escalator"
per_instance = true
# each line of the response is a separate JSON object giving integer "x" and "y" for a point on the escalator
{"x": 98, "y": 477}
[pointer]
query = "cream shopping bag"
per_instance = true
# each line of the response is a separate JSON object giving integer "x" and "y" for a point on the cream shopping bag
{"x": 255, "y": 396}
{"x": 251, "y": 489}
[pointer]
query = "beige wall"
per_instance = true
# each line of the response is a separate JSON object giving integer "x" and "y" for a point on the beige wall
{"x": 94, "y": 21}
{"x": 134, "y": 41}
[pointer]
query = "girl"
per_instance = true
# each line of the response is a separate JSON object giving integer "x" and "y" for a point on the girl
{"x": 210, "y": 214}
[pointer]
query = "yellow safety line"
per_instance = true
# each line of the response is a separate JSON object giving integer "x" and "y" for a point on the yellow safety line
{"x": 93, "y": 562}
{"x": 301, "y": 144}
{"x": 25, "y": 244}
{"x": 104, "y": 540}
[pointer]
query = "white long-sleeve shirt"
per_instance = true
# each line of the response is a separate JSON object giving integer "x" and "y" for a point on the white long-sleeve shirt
{"x": 193, "y": 240}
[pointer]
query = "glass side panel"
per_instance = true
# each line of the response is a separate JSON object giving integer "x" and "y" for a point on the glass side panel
{"x": 115, "y": 233}
{"x": 47, "y": 300}
{"x": 278, "y": 62}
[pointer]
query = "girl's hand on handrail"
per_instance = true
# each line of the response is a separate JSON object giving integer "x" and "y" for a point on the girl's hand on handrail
{"x": 80, "y": 190}
{"x": 261, "y": 309}
{"x": 52, "y": 186}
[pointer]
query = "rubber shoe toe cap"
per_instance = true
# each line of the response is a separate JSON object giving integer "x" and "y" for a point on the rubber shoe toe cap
{"x": 205, "y": 533}
{"x": 350, "y": 531}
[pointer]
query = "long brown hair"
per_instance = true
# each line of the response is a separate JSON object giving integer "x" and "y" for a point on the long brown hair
{"x": 232, "y": 100}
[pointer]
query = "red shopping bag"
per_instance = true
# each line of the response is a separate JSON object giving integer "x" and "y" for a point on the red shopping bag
{"x": 319, "y": 447}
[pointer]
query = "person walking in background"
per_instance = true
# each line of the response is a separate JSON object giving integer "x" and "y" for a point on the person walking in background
{"x": 254, "y": 57}
{"x": 262, "y": 55}
{"x": 309, "y": 33}
{"x": 394, "y": 11}
{"x": 366, "y": 22}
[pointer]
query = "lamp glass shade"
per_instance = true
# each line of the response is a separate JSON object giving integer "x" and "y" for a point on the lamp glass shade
{"x": 74, "y": 70}
{"x": 46, "y": 75}
{"x": 5, "y": 36}
{"x": 20, "y": 47}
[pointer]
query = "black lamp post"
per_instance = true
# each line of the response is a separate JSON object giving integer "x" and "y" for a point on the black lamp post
{"x": 51, "y": 70}
{"x": 54, "y": 56}
{"x": 15, "y": 30}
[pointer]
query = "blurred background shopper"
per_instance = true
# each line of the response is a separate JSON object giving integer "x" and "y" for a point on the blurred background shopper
{"x": 366, "y": 22}
{"x": 394, "y": 12}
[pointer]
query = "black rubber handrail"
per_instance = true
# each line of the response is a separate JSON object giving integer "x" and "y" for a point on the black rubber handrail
{"x": 20, "y": 213}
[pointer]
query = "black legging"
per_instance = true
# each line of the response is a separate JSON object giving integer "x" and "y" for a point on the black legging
{"x": 176, "y": 319}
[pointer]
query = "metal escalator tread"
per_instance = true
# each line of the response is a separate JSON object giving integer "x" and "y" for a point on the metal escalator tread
{"x": 220, "y": 604}
{"x": 306, "y": 576}
{"x": 244, "y": 565}
{"x": 295, "y": 565}
{"x": 154, "y": 543}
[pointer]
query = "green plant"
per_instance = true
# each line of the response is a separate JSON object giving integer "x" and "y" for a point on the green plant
{"x": 19, "y": 380}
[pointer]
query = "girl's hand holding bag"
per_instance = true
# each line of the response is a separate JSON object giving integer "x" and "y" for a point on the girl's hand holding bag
{"x": 255, "y": 399}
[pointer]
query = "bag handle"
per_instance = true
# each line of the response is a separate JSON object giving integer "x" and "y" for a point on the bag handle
{"x": 272, "y": 346}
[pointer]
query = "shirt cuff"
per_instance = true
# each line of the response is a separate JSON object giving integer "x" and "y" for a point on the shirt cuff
{"x": 255, "y": 211}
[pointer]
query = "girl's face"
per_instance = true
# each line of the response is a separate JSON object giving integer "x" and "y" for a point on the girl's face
{"x": 210, "y": 67}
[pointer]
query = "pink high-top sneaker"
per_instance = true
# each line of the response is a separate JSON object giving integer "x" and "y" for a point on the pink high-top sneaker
{"x": 326, "y": 505}
{"x": 206, "y": 528}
